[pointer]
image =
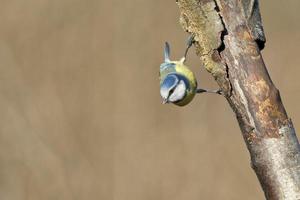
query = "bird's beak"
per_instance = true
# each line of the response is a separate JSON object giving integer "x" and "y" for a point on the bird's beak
{"x": 165, "y": 101}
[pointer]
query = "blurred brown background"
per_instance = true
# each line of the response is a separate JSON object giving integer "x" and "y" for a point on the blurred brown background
{"x": 80, "y": 111}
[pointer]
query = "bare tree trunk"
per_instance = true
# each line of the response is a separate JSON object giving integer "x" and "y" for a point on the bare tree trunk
{"x": 229, "y": 37}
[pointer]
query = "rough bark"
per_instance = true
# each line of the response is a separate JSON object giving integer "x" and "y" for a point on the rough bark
{"x": 229, "y": 36}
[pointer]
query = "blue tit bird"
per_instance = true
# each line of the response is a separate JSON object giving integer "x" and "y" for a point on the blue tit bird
{"x": 178, "y": 84}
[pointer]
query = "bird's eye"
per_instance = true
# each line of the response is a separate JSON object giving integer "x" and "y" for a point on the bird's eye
{"x": 171, "y": 91}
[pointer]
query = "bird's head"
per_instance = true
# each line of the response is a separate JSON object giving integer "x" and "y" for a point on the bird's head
{"x": 173, "y": 88}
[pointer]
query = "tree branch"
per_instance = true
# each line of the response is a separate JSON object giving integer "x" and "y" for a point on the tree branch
{"x": 229, "y": 36}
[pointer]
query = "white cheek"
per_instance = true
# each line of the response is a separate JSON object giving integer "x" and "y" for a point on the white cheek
{"x": 178, "y": 93}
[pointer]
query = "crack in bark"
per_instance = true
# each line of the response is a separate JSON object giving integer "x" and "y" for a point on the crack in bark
{"x": 222, "y": 47}
{"x": 224, "y": 32}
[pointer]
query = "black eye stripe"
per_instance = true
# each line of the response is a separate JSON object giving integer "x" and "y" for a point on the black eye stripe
{"x": 171, "y": 91}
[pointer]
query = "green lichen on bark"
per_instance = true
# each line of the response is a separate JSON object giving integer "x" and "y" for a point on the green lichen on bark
{"x": 201, "y": 19}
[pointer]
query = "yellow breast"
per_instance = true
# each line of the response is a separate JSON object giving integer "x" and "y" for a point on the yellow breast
{"x": 185, "y": 71}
